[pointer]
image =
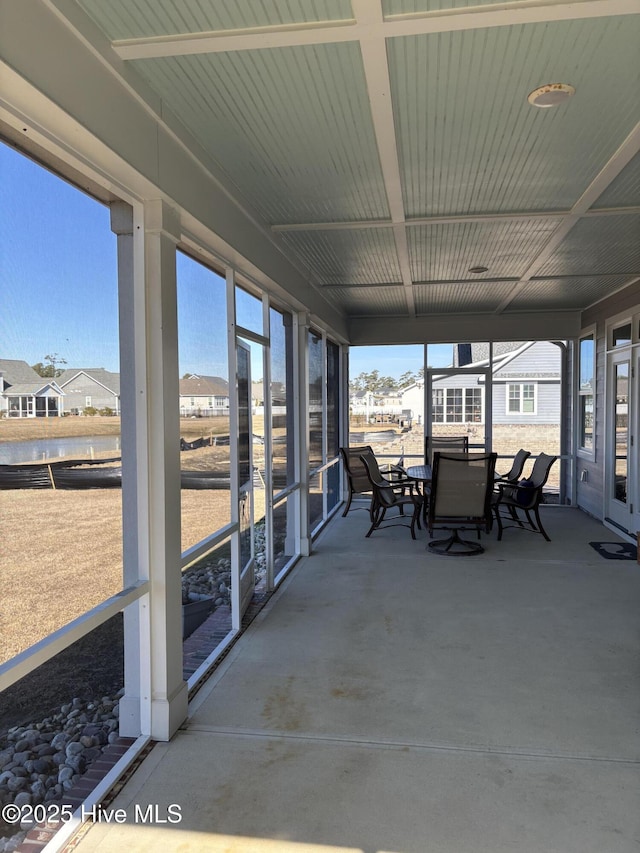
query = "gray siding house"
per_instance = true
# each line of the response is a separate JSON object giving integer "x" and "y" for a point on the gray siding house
{"x": 26, "y": 394}
{"x": 526, "y": 388}
{"x": 204, "y": 396}
{"x": 90, "y": 387}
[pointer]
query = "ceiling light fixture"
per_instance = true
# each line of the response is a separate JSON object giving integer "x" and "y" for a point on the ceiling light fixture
{"x": 478, "y": 269}
{"x": 551, "y": 95}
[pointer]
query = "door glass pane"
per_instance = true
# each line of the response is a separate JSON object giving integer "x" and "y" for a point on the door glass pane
{"x": 244, "y": 453}
{"x": 282, "y": 409}
{"x": 333, "y": 422}
{"x": 248, "y": 311}
{"x": 203, "y": 400}
{"x": 621, "y": 415}
{"x": 315, "y": 400}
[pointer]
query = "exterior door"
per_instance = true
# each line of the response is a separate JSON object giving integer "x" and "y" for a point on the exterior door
{"x": 245, "y": 478}
{"x": 622, "y": 417}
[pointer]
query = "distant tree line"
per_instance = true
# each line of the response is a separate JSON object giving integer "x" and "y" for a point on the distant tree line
{"x": 374, "y": 382}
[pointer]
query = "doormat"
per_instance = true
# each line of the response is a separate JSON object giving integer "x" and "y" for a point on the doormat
{"x": 615, "y": 550}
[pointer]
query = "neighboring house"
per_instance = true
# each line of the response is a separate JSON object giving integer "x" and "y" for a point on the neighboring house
{"x": 204, "y": 396}
{"x": 257, "y": 393}
{"x": 26, "y": 394}
{"x": 526, "y": 388}
{"x": 90, "y": 387}
{"x": 389, "y": 399}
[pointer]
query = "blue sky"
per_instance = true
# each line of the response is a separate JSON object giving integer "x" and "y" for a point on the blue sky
{"x": 57, "y": 269}
{"x": 58, "y": 285}
{"x": 396, "y": 360}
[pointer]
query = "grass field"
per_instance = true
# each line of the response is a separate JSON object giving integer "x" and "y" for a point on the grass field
{"x": 28, "y": 429}
{"x": 61, "y": 551}
{"x": 61, "y": 554}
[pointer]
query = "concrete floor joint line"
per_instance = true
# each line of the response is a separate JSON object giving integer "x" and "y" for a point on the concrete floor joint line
{"x": 381, "y": 744}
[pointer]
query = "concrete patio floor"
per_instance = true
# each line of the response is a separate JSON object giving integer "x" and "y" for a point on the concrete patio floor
{"x": 389, "y": 700}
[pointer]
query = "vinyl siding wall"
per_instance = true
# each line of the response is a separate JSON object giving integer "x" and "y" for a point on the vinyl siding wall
{"x": 590, "y": 492}
{"x": 77, "y": 391}
{"x": 547, "y": 404}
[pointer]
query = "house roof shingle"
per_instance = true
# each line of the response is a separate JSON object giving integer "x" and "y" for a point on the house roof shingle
{"x": 111, "y": 381}
{"x": 15, "y": 371}
{"x": 204, "y": 386}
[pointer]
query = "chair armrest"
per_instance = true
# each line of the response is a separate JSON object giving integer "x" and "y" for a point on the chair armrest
{"x": 506, "y": 491}
{"x": 523, "y": 496}
{"x": 399, "y": 481}
{"x": 398, "y": 470}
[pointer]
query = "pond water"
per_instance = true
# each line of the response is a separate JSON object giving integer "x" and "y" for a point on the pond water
{"x": 42, "y": 449}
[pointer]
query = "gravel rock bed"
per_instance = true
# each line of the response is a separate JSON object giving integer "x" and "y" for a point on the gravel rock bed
{"x": 40, "y": 761}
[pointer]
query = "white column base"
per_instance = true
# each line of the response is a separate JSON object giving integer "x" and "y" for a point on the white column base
{"x": 167, "y": 715}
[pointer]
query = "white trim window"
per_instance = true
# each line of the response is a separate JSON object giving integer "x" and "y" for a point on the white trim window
{"x": 521, "y": 398}
{"x": 457, "y": 405}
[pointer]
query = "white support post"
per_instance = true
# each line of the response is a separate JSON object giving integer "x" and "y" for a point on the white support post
{"x": 169, "y": 696}
{"x": 133, "y": 440}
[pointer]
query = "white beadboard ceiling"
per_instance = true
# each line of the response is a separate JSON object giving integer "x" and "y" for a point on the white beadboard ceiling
{"x": 388, "y": 145}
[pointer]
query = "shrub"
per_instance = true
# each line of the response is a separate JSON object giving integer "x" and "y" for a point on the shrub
{"x": 90, "y": 410}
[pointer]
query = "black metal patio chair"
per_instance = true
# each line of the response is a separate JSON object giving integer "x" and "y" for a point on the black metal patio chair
{"x": 387, "y": 494}
{"x": 513, "y": 499}
{"x": 445, "y": 444}
{"x": 514, "y": 473}
{"x": 357, "y": 480}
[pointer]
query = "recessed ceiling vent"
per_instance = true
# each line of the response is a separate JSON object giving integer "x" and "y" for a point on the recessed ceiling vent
{"x": 551, "y": 95}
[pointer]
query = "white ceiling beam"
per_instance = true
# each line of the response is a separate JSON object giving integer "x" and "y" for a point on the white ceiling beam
{"x": 349, "y": 29}
{"x": 376, "y": 71}
{"x": 363, "y": 224}
{"x": 622, "y": 157}
{"x": 229, "y": 41}
{"x": 444, "y": 328}
{"x": 504, "y": 14}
